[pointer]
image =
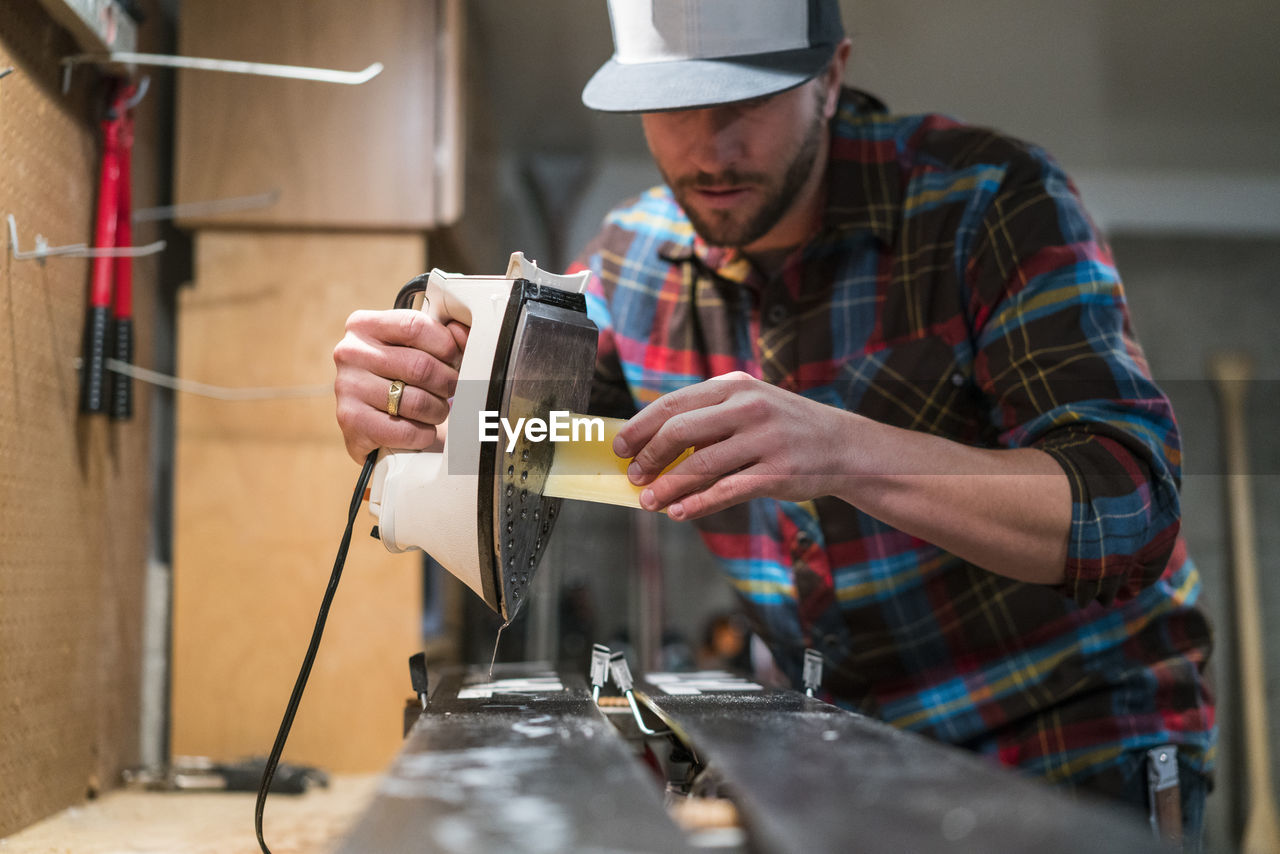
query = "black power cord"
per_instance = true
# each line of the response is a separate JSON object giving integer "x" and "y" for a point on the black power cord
{"x": 282, "y": 735}
{"x": 404, "y": 299}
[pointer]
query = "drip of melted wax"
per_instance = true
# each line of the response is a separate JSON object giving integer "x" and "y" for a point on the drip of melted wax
{"x": 497, "y": 639}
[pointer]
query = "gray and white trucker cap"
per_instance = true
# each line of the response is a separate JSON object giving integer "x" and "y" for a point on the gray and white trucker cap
{"x": 683, "y": 54}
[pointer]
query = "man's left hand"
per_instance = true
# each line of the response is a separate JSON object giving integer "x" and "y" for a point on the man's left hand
{"x": 751, "y": 439}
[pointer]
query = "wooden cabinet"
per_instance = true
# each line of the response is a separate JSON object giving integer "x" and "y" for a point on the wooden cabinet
{"x": 364, "y": 174}
{"x": 260, "y": 500}
{"x": 385, "y": 154}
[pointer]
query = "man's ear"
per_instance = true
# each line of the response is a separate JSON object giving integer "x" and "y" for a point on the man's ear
{"x": 833, "y": 77}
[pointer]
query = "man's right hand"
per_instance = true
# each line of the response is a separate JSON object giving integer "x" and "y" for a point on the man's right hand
{"x": 400, "y": 344}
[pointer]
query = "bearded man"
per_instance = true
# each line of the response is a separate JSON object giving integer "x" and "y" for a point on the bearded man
{"x": 927, "y": 442}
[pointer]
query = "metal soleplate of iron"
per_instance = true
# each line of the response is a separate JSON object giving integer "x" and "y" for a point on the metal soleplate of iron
{"x": 808, "y": 776}
{"x": 544, "y": 363}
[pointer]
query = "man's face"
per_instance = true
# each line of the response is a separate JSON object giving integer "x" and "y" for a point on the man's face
{"x": 737, "y": 169}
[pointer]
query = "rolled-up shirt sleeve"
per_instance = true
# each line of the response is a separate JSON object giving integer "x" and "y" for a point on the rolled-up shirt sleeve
{"x": 1056, "y": 358}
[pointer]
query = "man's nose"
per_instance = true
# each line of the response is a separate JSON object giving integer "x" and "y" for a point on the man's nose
{"x": 715, "y": 138}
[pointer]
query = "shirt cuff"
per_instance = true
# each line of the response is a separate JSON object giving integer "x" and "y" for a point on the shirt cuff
{"x": 1124, "y": 517}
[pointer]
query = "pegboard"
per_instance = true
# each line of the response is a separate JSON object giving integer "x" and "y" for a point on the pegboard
{"x": 73, "y": 490}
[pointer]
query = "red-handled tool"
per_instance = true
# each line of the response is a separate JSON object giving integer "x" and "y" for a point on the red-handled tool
{"x": 109, "y": 323}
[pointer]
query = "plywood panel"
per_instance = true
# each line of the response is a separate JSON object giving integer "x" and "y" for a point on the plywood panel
{"x": 261, "y": 497}
{"x": 73, "y": 490}
{"x": 365, "y": 156}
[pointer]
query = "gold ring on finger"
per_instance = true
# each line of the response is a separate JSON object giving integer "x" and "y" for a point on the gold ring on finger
{"x": 393, "y": 397}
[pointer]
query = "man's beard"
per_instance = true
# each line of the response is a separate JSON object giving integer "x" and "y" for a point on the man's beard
{"x": 723, "y": 228}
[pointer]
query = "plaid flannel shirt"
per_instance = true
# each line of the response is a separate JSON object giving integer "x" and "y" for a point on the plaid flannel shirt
{"x": 956, "y": 287}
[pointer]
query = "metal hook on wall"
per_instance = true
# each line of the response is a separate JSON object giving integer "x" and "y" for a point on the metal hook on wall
{"x": 74, "y": 250}
{"x": 208, "y": 207}
{"x": 265, "y": 69}
{"x": 140, "y": 92}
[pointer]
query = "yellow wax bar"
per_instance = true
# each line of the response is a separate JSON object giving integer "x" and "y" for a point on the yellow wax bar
{"x": 588, "y": 470}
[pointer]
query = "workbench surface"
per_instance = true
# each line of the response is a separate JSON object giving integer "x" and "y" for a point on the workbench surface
{"x": 129, "y": 822}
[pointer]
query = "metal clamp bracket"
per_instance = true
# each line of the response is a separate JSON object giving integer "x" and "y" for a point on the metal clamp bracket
{"x": 1164, "y": 794}
{"x": 621, "y": 673}
{"x": 599, "y": 670}
{"x": 811, "y": 676}
{"x": 605, "y": 665}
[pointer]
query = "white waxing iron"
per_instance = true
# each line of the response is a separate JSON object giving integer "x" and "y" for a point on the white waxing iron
{"x": 479, "y": 508}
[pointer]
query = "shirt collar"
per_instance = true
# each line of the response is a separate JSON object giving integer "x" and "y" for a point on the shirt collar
{"x": 728, "y": 263}
{"x": 864, "y": 188}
